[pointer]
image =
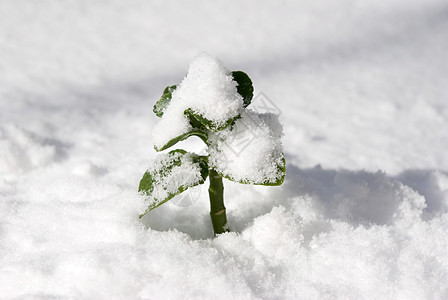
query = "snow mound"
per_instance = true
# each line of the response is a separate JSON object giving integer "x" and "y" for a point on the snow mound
{"x": 297, "y": 251}
{"x": 22, "y": 151}
{"x": 209, "y": 91}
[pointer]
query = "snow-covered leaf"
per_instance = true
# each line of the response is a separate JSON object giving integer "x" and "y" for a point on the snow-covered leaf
{"x": 196, "y": 129}
{"x": 278, "y": 179}
{"x": 250, "y": 150}
{"x": 208, "y": 95}
{"x": 171, "y": 174}
{"x": 209, "y": 124}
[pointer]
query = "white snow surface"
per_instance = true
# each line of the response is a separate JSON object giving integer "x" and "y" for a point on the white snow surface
{"x": 208, "y": 90}
{"x": 360, "y": 88}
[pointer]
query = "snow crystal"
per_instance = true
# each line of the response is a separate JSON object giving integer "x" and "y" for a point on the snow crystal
{"x": 209, "y": 91}
{"x": 250, "y": 150}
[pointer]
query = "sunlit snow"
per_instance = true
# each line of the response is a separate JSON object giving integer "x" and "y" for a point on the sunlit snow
{"x": 359, "y": 87}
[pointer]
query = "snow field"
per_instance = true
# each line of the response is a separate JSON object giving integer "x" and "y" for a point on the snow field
{"x": 361, "y": 87}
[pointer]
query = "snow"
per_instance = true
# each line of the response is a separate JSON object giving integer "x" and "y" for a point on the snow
{"x": 209, "y": 91}
{"x": 170, "y": 172}
{"x": 249, "y": 151}
{"x": 360, "y": 88}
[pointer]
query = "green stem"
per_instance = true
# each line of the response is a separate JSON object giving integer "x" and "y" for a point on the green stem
{"x": 217, "y": 208}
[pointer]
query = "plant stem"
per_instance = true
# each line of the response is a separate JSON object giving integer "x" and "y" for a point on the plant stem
{"x": 217, "y": 208}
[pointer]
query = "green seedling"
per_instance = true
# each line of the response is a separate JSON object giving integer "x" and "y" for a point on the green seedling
{"x": 174, "y": 172}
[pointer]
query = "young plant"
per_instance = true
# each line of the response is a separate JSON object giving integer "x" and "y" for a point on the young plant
{"x": 242, "y": 145}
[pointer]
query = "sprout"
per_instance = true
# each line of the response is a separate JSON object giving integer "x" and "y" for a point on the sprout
{"x": 242, "y": 145}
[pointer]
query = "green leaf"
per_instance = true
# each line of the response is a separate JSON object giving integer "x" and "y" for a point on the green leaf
{"x": 198, "y": 130}
{"x": 170, "y": 175}
{"x": 195, "y": 132}
{"x": 244, "y": 87}
{"x": 164, "y": 101}
{"x": 210, "y": 125}
{"x": 195, "y": 121}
